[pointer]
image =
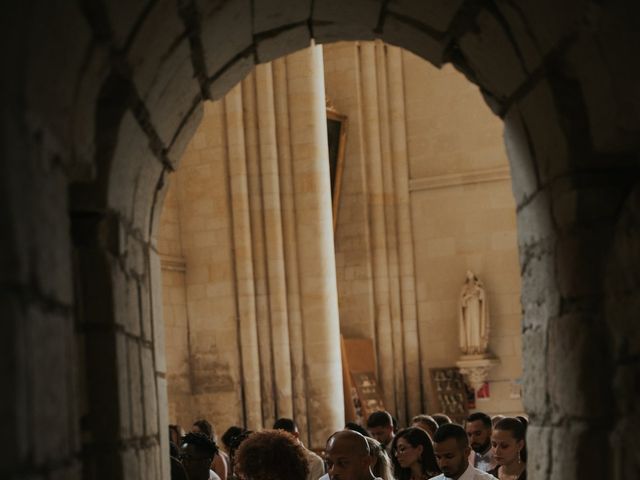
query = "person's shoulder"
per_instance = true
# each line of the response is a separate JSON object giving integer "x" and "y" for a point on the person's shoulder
{"x": 480, "y": 475}
{"x": 313, "y": 455}
{"x": 438, "y": 477}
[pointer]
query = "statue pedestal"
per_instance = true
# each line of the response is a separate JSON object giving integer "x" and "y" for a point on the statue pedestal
{"x": 475, "y": 368}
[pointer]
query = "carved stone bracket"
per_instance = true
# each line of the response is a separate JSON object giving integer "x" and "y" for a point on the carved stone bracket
{"x": 475, "y": 369}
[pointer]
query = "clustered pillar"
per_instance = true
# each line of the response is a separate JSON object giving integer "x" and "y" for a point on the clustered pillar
{"x": 279, "y": 243}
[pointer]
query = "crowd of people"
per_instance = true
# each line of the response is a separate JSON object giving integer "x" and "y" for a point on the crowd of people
{"x": 432, "y": 447}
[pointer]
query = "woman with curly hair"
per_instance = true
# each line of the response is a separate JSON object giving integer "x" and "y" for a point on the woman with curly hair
{"x": 271, "y": 455}
{"x": 412, "y": 455}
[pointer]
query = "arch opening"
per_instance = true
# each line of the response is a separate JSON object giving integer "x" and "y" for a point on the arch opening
{"x": 125, "y": 101}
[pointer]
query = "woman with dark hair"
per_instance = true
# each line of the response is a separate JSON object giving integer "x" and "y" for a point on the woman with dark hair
{"x": 228, "y": 436}
{"x": 234, "y": 444}
{"x": 412, "y": 455}
{"x": 271, "y": 455}
{"x": 509, "y": 449}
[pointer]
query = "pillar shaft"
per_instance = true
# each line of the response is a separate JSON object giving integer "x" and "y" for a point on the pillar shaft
{"x": 294, "y": 314}
{"x": 400, "y": 162}
{"x": 375, "y": 188}
{"x": 243, "y": 259}
{"x": 274, "y": 248}
{"x": 258, "y": 247}
{"x": 389, "y": 196}
{"x": 316, "y": 255}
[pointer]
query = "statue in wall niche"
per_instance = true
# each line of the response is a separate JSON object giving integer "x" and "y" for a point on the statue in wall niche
{"x": 474, "y": 317}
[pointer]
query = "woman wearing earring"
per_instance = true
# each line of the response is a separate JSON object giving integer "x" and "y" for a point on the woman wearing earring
{"x": 412, "y": 455}
{"x": 509, "y": 449}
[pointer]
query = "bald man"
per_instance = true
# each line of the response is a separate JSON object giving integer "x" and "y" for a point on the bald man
{"x": 347, "y": 456}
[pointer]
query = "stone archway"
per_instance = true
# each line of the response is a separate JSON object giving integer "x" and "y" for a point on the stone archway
{"x": 102, "y": 99}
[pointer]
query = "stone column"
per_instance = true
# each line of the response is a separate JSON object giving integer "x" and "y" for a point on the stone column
{"x": 389, "y": 201}
{"x": 258, "y": 245}
{"x": 316, "y": 255}
{"x": 243, "y": 259}
{"x": 375, "y": 187}
{"x": 400, "y": 162}
{"x": 274, "y": 249}
{"x": 294, "y": 313}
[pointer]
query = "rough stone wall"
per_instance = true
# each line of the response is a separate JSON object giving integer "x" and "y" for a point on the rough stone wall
{"x": 562, "y": 76}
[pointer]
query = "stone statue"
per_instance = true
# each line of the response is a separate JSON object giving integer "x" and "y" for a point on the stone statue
{"x": 474, "y": 317}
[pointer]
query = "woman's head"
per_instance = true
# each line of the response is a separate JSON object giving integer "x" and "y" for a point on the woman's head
{"x": 204, "y": 427}
{"x": 508, "y": 441}
{"x": 235, "y": 443}
{"x": 413, "y": 446}
{"x": 228, "y": 436}
{"x": 380, "y": 463}
{"x": 271, "y": 455}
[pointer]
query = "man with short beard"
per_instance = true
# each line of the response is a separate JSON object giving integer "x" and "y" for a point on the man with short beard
{"x": 451, "y": 448}
{"x": 478, "y": 427}
{"x": 380, "y": 425}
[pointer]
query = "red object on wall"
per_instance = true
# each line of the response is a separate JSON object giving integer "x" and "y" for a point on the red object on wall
{"x": 483, "y": 392}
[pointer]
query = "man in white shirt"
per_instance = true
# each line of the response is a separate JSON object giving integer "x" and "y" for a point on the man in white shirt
{"x": 478, "y": 427}
{"x": 451, "y": 447}
{"x": 316, "y": 465}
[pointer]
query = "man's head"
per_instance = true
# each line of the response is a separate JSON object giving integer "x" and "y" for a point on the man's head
{"x": 357, "y": 428}
{"x": 478, "y": 428}
{"x": 441, "y": 418}
{"x": 380, "y": 425}
{"x": 288, "y": 426}
{"x": 425, "y": 422}
{"x": 451, "y": 447}
{"x": 348, "y": 457}
{"x": 196, "y": 454}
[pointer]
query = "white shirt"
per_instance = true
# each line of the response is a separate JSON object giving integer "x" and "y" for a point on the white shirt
{"x": 471, "y": 473}
{"x": 482, "y": 461}
{"x": 213, "y": 475}
{"x": 327, "y": 477}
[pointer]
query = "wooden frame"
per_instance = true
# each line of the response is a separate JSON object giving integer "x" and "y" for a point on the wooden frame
{"x": 450, "y": 392}
{"x": 337, "y": 139}
{"x": 362, "y": 393}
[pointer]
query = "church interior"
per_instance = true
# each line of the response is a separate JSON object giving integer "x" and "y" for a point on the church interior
{"x": 437, "y": 201}
{"x": 247, "y": 210}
